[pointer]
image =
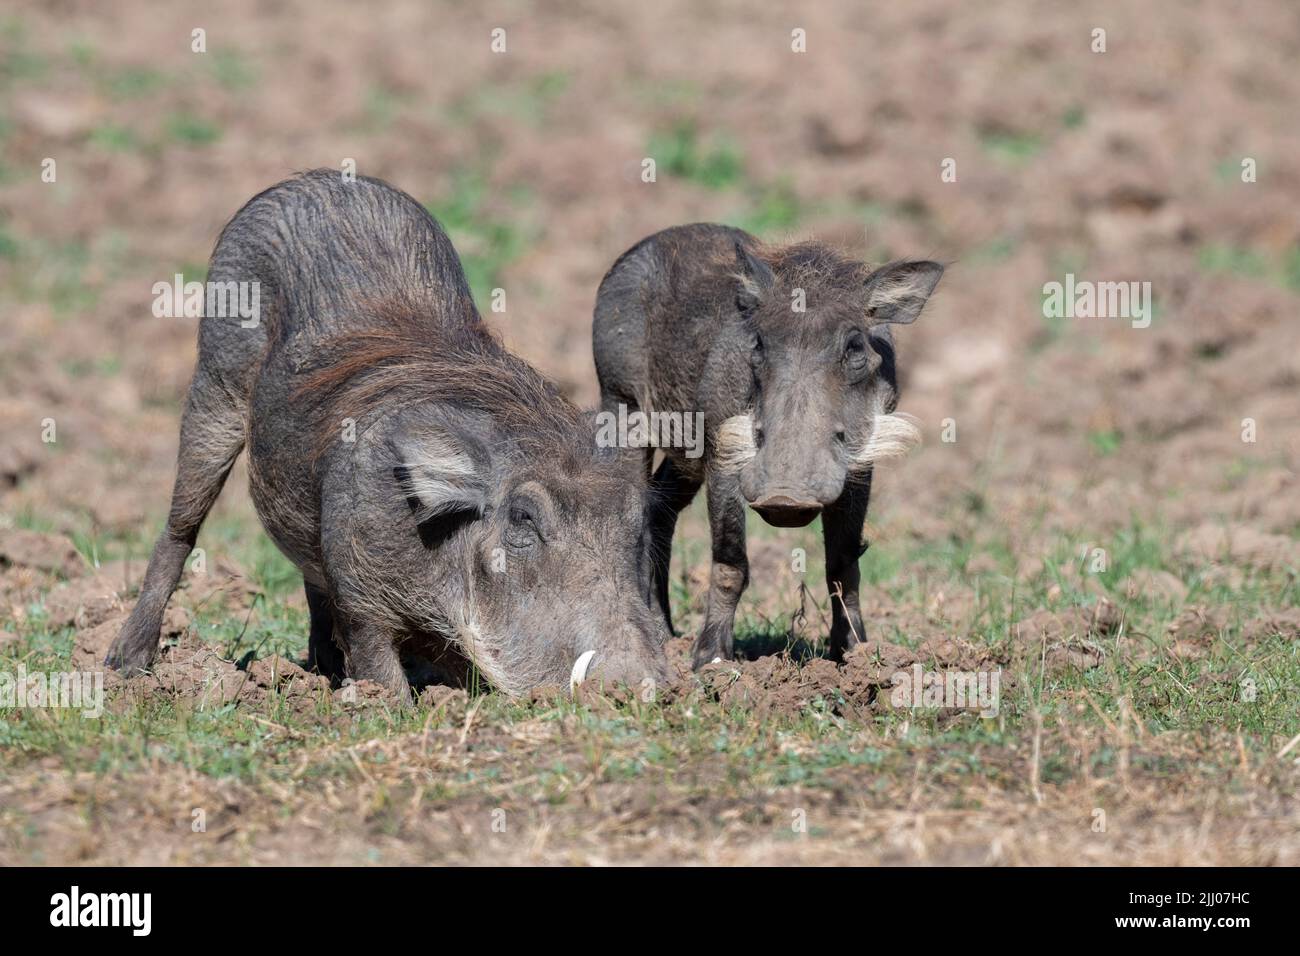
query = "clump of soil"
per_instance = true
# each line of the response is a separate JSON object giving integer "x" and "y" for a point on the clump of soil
{"x": 53, "y": 553}
{"x": 1061, "y": 640}
{"x": 872, "y": 671}
{"x": 96, "y": 603}
{"x": 188, "y": 668}
{"x": 862, "y": 684}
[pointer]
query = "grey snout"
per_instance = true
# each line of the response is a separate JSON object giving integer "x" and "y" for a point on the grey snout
{"x": 785, "y": 511}
{"x": 797, "y": 470}
{"x": 637, "y": 662}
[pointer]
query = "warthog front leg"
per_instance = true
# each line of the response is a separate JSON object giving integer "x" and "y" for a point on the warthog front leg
{"x": 730, "y": 572}
{"x": 673, "y": 492}
{"x": 371, "y": 654}
{"x": 323, "y": 653}
{"x": 212, "y": 435}
{"x": 842, "y": 533}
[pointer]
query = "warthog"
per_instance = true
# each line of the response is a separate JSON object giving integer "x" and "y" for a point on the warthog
{"x": 434, "y": 489}
{"x": 789, "y": 355}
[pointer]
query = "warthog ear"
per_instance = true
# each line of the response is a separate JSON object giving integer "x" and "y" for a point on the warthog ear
{"x": 753, "y": 279}
{"x": 441, "y": 473}
{"x": 897, "y": 292}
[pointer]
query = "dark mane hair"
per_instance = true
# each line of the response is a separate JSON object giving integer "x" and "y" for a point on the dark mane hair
{"x": 824, "y": 272}
{"x": 404, "y": 357}
{"x": 815, "y": 263}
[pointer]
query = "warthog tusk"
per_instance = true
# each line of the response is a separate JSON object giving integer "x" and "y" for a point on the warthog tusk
{"x": 579, "y": 672}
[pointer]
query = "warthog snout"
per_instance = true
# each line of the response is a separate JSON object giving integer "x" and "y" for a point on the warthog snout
{"x": 635, "y": 661}
{"x": 784, "y": 511}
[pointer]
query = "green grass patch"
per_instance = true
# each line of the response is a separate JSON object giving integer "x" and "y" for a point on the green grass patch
{"x": 134, "y": 82}
{"x": 232, "y": 70}
{"x": 486, "y": 240}
{"x": 111, "y": 136}
{"x": 774, "y": 207}
{"x": 1012, "y": 147}
{"x": 526, "y": 101}
{"x": 192, "y": 129}
{"x": 681, "y": 151}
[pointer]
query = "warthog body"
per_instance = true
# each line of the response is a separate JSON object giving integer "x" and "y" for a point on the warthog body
{"x": 789, "y": 355}
{"x": 435, "y": 491}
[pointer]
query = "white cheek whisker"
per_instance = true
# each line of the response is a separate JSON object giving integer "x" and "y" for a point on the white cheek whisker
{"x": 892, "y": 436}
{"x": 733, "y": 446}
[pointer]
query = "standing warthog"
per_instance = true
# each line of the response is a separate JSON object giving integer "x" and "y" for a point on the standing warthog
{"x": 432, "y": 487}
{"x": 788, "y": 354}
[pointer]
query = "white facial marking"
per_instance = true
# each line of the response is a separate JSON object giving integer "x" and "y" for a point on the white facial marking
{"x": 892, "y": 436}
{"x": 734, "y": 446}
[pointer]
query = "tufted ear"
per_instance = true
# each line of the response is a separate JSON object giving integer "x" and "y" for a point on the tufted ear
{"x": 753, "y": 279}
{"x": 897, "y": 292}
{"x": 441, "y": 472}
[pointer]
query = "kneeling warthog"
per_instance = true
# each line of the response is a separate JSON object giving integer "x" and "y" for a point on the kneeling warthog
{"x": 433, "y": 488}
{"x": 788, "y": 354}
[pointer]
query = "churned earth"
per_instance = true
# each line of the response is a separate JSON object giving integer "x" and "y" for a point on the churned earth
{"x": 1105, "y": 514}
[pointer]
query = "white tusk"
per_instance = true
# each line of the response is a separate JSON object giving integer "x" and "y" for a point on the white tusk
{"x": 579, "y": 673}
{"x": 716, "y": 660}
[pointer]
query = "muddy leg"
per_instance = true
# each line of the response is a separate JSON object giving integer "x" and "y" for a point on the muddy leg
{"x": 842, "y": 532}
{"x": 212, "y": 435}
{"x": 730, "y": 572}
{"x": 323, "y": 654}
{"x": 673, "y": 491}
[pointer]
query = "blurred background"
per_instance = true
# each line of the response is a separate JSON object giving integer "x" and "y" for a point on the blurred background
{"x": 1118, "y": 165}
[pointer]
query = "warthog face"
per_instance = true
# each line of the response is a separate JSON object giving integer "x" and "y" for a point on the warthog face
{"x": 549, "y": 553}
{"x": 823, "y": 385}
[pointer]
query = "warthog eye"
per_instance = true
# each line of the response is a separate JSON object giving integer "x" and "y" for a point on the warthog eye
{"x": 855, "y": 352}
{"x": 522, "y": 531}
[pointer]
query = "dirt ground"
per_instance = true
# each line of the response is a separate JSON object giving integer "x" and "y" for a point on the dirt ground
{"x": 1106, "y": 515}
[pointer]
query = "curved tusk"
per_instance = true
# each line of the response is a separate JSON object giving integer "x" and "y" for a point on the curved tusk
{"x": 579, "y": 672}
